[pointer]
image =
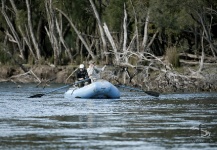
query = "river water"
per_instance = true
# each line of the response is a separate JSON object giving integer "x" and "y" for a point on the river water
{"x": 135, "y": 121}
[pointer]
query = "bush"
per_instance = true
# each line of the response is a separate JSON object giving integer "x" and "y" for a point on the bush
{"x": 4, "y": 58}
{"x": 172, "y": 56}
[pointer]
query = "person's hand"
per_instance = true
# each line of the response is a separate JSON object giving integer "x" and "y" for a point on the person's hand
{"x": 103, "y": 68}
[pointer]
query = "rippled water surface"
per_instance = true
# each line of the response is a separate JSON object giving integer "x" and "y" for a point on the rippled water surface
{"x": 135, "y": 121}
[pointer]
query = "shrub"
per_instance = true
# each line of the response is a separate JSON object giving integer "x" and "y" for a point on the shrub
{"x": 4, "y": 58}
{"x": 172, "y": 56}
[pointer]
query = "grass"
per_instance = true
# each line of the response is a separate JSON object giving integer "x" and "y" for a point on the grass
{"x": 172, "y": 56}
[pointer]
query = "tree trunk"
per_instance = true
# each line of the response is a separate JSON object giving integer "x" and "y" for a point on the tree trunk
{"x": 115, "y": 51}
{"x": 35, "y": 44}
{"x": 125, "y": 36}
{"x": 145, "y": 36}
{"x": 102, "y": 35}
{"x": 79, "y": 34}
{"x": 207, "y": 34}
{"x": 14, "y": 38}
{"x": 24, "y": 36}
{"x": 202, "y": 55}
{"x": 59, "y": 30}
{"x": 136, "y": 28}
{"x": 11, "y": 56}
{"x": 51, "y": 31}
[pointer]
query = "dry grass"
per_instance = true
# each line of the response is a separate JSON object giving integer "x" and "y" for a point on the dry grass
{"x": 172, "y": 56}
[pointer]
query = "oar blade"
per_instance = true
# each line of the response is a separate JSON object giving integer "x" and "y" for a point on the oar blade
{"x": 36, "y": 96}
{"x": 152, "y": 93}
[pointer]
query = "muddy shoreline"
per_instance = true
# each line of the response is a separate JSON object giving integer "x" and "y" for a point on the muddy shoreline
{"x": 45, "y": 74}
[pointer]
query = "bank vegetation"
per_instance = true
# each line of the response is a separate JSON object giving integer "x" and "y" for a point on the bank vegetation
{"x": 165, "y": 45}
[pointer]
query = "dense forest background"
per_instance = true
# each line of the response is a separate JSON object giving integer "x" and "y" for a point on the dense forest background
{"x": 138, "y": 34}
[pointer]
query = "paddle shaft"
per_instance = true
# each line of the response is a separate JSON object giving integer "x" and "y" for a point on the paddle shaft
{"x": 40, "y": 95}
{"x": 152, "y": 93}
{"x": 130, "y": 88}
{"x": 58, "y": 89}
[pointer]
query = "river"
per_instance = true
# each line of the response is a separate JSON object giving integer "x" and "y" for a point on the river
{"x": 135, "y": 121}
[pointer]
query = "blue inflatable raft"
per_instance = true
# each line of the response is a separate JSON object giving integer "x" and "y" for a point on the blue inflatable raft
{"x": 101, "y": 89}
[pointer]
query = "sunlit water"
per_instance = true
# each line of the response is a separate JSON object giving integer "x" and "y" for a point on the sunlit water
{"x": 135, "y": 121}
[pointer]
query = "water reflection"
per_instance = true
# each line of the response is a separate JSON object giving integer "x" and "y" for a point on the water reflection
{"x": 136, "y": 121}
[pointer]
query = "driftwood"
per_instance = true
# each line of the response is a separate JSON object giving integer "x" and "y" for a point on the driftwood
{"x": 22, "y": 77}
{"x": 158, "y": 74}
{"x": 191, "y": 57}
{"x": 44, "y": 83}
{"x": 70, "y": 75}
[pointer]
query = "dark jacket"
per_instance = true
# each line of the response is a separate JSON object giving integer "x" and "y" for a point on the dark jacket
{"x": 82, "y": 74}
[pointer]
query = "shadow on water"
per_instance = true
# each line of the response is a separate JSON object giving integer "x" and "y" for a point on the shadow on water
{"x": 135, "y": 121}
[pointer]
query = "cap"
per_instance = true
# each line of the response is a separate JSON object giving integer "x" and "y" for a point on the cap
{"x": 81, "y": 66}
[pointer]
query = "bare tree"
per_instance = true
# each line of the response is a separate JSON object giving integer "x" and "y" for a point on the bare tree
{"x": 51, "y": 31}
{"x": 59, "y": 30}
{"x": 30, "y": 27}
{"x": 102, "y": 35}
{"x": 13, "y": 36}
{"x": 145, "y": 36}
{"x": 136, "y": 27}
{"x": 111, "y": 40}
{"x": 206, "y": 27}
{"x": 24, "y": 34}
{"x": 78, "y": 34}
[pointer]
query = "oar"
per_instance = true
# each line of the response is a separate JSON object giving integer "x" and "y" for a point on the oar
{"x": 40, "y": 95}
{"x": 152, "y": 93}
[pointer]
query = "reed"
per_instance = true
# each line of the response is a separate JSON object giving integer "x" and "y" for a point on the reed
{"x": 172, "y": 56}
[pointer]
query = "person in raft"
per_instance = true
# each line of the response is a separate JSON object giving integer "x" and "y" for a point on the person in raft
{"x": 81, "y": 75}
{"x": 93, "y": 71}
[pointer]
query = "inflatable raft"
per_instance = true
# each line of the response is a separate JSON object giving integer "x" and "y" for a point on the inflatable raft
{"x": 101, "y": 89}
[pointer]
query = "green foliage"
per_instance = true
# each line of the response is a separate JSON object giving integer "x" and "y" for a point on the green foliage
{"x": 114, "y": 14}
{"x": 170, "y": 15}
{"x": 140, "y": 8}
{"x": 78, "y": 60}
{"x": 64, "y": 59}
{"x": 4, "y": 58}
{"x": 79, "y": 11}
{"x": 51, "y": 59}
{"x": 176, "y": 19}
{"x": 42, "y": 61}
{"x": 21, "y": 19}
{"x": 172, "y": 56}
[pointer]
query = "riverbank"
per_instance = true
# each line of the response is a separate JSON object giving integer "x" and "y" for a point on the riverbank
{"x": 43, "y": 73}
{"x": 164, "y": 82}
